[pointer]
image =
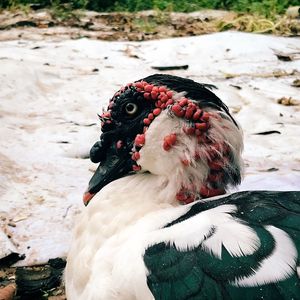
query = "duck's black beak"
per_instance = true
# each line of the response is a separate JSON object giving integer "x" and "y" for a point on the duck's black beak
{"x": 114, "y": 164}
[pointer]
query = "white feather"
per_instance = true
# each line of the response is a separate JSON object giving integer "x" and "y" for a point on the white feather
{"x": 168, "y": 163}
{"x": 238, "y": 239}
{"x": 104, "y": 227}
{"x": 278, "y": 266}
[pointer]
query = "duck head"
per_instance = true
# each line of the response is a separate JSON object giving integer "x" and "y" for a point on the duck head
{"x": 171, "y": 127}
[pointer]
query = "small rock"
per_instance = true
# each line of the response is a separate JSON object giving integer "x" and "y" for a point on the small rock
{"x": 288, "y": 101}
{"x": 296, "y": 83}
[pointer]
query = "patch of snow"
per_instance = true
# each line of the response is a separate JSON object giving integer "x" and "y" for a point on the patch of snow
{"x": 50, "y": 94}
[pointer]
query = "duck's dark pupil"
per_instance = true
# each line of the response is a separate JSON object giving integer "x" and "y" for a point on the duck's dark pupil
{"x": 131, "y": 108}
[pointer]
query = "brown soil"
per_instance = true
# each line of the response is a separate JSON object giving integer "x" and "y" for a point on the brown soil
{"x": 146, "y": 25}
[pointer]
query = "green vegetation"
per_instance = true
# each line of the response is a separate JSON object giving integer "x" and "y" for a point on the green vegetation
{"x": 262, "y": 7}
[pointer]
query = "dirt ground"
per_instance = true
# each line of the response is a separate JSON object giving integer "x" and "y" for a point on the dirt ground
{"x": 146, "y": 25}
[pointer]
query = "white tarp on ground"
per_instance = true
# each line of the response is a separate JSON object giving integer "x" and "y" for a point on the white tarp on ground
{"x": 50, "y": 93}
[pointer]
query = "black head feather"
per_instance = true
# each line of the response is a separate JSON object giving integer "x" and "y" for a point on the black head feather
{"x": 199, "y": 92}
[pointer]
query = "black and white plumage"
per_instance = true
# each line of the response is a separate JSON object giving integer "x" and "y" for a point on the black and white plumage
{"x": 249, "y": 251}
{"x": 169, "y": 141}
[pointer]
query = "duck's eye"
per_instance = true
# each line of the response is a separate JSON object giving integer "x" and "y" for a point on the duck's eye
{"x": 131, "y": 109}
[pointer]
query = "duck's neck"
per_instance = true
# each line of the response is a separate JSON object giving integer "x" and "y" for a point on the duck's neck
{"x": 124, "y": 202}
{"x": 129, "y": 193}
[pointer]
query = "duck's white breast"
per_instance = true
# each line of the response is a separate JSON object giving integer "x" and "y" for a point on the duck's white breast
{"x": 109, "y": 239}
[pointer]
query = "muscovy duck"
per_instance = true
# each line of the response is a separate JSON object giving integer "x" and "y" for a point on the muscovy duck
{"x": 160, "y": 224}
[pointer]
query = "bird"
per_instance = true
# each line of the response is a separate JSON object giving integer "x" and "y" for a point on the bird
{"x": 160, "y": 222}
